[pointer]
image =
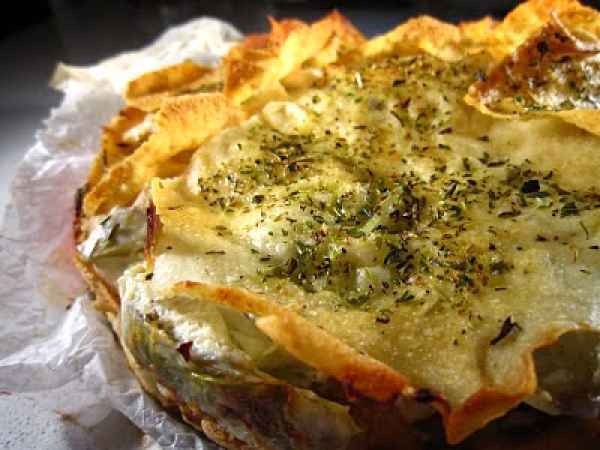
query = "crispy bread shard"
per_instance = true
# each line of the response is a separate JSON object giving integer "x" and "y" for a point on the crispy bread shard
{"x": 106, "y": 296}
{"x": 526, "y": 20}
{"x": 114, "y": 146}
{"x": 553, "y": 72}
{"x": 180, "y": 125}
{"x": 498, "y": 39}
{"x": 253, "y": 73}
{"x": 426, "y": 34}
{"x": 263, "y": 61}
{"x": 149, "y": 91}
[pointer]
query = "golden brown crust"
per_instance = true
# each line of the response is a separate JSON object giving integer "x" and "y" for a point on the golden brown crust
{"x": 498, "y": 39}
{"x": 306, "y": 341}
{"x": 114, "y": 147}
{"x": 149, "y": 91}
{"x": 175, "y": 130}
{"x": 553, "y": 434}
{"x": 262, "y": 61}
{"x": 525, "y": 20}
{"x": 106, "y": 296}
{"x": 251, "y": 74}
{"x": 165, "y": 80}
{"x": 479, "y": 410}
{"x": 545, "y": 74}
{"x": 421, "y": 34}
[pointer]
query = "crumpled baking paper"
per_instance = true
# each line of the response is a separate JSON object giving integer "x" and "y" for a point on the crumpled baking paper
{"x": 51, "y": 338}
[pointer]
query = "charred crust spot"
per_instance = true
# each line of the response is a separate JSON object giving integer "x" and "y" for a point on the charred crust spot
{"x": 184, "y": 349}
{"x": 507, "y": 328}
{"x": 79, "y": 195}
{"x": 152, "y": 227}
{"x": 542, "y": 48}
{"x": 530, "y": 186}
{"x": 130, "y": 112}
{"x": 350, "y": 393}
{"x": 424, "y": 396}
{"x": 78, "y": 210}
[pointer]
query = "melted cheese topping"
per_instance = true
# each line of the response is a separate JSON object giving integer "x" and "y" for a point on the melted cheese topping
{"x": 440, "y": 241}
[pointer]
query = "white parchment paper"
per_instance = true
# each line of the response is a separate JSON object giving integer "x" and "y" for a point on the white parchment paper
{"x": 51, "y": 338}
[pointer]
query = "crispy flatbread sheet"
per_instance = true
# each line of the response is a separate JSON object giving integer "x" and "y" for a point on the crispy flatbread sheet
{"x": 427, "y": 34}
{"x": 149, "y": 91}
{"x": 114, "y": 144}
{"x": 258, "y": 67}
{"x": 554, "y": 72}
{"x": 182, "y": 124}
{"x": 106, "y": 296}
{"x": 304, "y": 340}
{"x": 262, "y": 61}
{"x": 526, "y": 20}
{"x": 452, "y": 42}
